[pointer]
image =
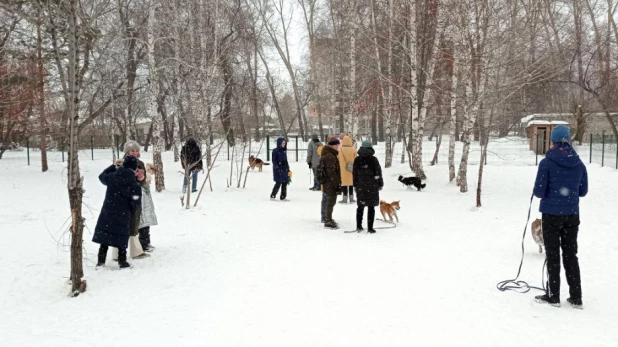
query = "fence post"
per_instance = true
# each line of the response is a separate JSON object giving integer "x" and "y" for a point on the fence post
{"x": 616, "y": 153}
{"x": 28, "y": 150}
{"x": 603, "y": 148}
{"x": 536, "y": 150}
{"x": 590, "y": 148}
{"x": 297, "y": 148}
{"x": 92, "y": 147}
{"x": 117, "y": 148}
{"x": 267, "y": 147}
{"x": 62, "y": 151}
{"x": 228, "y": 150}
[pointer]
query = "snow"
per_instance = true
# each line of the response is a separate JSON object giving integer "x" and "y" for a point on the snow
{"x": 544, "y": 122}
{"x": 240, "y": 270}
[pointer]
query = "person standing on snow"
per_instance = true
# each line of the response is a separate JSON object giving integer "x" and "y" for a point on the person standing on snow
{"x": 561, "y": 180}
{"x": 313, "y": 158}
{"x": 122, "y": 200}
{"x": 347, "y": 155}
{"x": 368, "y": 182}
{"x": 329, "y": 175}
{"x": 191, "y": 157}
{"x": 281, "y": 169}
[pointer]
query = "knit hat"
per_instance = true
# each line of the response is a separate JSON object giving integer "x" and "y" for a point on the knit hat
{"x": 130, "y": 162}
{"x": 560, "y": 134}
{"x": 367, "y": 143}
{"x": 333, "y": 141}
{"x": 130, "y": 145}
{"x": 315, "y": 137}
{"x": 341, "y": 136}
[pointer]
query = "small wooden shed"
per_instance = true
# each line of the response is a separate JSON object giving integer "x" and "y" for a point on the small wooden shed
{"x": 539, "y": 133}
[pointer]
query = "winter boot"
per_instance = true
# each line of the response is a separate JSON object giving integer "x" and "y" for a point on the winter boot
{"x": 122, "y": 259}
{"x": 545, "y": 299}
{"x": 331, "y": 224}
{"x": 576, "y": 303}
{"x": 102, "y": 256}
{"x": 352, "y": 199}
{"x": 371, "y": 231}
{"x": 344, "y": 200}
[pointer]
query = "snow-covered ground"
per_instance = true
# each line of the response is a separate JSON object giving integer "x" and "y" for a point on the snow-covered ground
{"x": 240, "y": 270}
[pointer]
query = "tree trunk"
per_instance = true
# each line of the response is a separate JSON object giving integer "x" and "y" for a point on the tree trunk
{"x": 157, "y": 142}
{"x": 75, "y": 183}
{"x": 41, "y": 82}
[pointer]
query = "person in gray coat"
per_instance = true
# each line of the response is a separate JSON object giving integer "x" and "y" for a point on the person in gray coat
{"x": 313, "y": 158}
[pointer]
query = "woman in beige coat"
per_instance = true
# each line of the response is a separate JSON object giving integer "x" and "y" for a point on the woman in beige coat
{"x": 347, "y": 154}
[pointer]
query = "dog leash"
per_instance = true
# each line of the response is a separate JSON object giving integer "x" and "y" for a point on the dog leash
{"x": 514, "y": 284}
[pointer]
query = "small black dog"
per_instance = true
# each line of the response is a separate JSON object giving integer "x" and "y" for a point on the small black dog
{"x": 412, "y": 181}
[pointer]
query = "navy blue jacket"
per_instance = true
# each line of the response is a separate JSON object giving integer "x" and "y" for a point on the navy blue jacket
{"x": 122, "y": 199}
{"x": 280, "y": 162}
{"x": 560, "y": 181}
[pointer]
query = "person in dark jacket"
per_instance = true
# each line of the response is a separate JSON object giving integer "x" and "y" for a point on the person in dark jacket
{"x": 368, "y": 181}
{"x": 313, "y": 158}
{"x": 191, "y": 159}
{"x": 281, "y": 169}
{"x": 122, "y": 200}
{"x": 331, "y": 185}
{"x": 561, "y": 180}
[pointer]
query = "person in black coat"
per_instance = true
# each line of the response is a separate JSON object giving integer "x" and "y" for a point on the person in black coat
{"x": 191, "y": 158}
{"x": 122, "y": 200}
{"x": 281, "y": 169}
{"x": 329, "y": 175}
{"x": 368, "y": 181}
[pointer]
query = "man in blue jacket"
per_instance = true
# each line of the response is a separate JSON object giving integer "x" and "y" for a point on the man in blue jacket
{"x": 561, "y": 180}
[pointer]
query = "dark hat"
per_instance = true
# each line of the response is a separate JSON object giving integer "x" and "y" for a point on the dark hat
{"x": 333, "y": 141}
{"x": 367, "y": 143}
{"x": 130, "y": 162}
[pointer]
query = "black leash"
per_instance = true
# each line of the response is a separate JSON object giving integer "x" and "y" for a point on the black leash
{"x": 514, "y": 284}
{"x": 375, "y": 228}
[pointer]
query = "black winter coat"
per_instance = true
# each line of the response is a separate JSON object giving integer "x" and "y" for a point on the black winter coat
{"x": 367, "y": 177}
{"x": 329, "y": 163}
{"x": 190, "y": 154}
{"x": 123, "y": 199}
{"x": 281, "y": 167}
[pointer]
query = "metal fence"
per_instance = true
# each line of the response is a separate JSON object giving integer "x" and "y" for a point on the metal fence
{"x": 602, "y": 149}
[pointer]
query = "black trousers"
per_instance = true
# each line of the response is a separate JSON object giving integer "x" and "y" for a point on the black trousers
{"x": 347, "y": 189}
{"x": 122, "y": 253}
{"x": 331, "y": 201}
{"x": 371, "y": 215}
{"x": 144, "y": 237}
{"x": 284, "y": 190}
{"x": 560, "y": 232}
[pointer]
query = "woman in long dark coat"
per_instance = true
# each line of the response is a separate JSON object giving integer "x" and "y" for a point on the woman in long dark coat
{"x": 281, "y": 169}
{"x": 122, "y": 199}
{"x": 368, "y": 181}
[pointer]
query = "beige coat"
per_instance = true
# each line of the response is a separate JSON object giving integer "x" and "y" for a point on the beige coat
{"x": 348, "y": 152}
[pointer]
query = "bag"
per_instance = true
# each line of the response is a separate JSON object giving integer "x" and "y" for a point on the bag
{"x": 320, "y": 176}
{"x": 348, "y": 166}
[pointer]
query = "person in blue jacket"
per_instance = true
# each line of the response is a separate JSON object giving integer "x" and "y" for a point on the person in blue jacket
{"x": 561, "y": 180}
{"x": 281, "y": 169}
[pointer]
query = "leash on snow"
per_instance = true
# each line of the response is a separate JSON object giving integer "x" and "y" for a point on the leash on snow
{"x": 375, "y": 228}
{"x": 522, "y": 286}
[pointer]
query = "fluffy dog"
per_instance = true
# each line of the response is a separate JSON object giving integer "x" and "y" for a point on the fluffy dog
{"x": 150, "y": 172}
{"x": 412, "y": 181}
{"x": 537, "y": 233}
{"x": 390, "y": 210}
{"x": 253, "y": 162}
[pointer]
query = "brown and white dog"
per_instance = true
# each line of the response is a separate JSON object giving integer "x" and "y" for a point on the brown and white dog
{"x": 150, "y": 172}
{"x": 537, "y": 233}
{"x": 389, "y": 209}
{"x": 253, "y": 162}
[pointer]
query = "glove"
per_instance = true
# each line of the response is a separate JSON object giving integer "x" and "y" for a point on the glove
{"x": 309, "y": 165}
{"x": 379, "y": 189}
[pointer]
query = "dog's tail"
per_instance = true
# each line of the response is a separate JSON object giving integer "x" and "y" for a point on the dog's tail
{"x": 265, "y": 163}
{"x": 423, "y": 185}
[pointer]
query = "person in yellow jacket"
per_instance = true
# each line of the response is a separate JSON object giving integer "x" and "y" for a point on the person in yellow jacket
{"x": 346, "y": 157}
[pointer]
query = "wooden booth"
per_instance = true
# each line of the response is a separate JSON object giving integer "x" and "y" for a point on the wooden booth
{"x": 539, "y": 133}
